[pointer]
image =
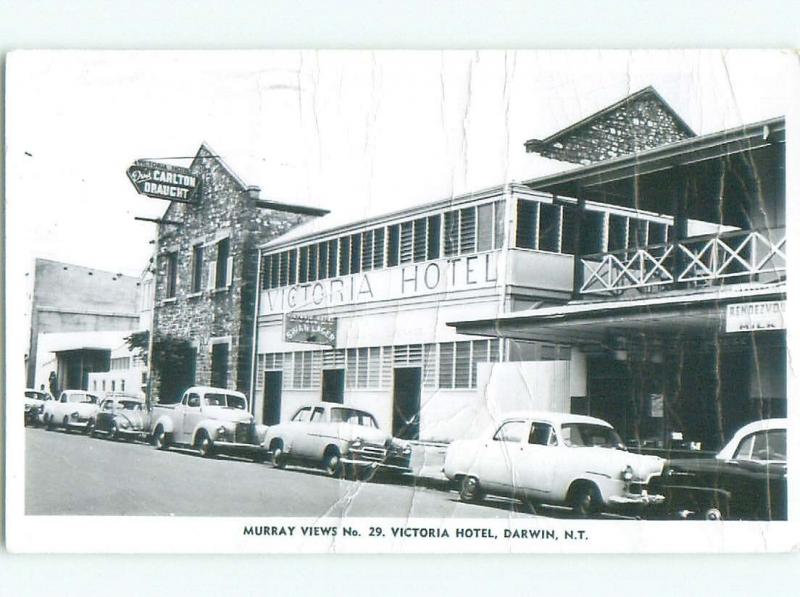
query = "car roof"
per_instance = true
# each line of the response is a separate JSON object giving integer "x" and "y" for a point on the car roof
{"x": 556, "y": 418}
{"x": 323, "y": 404}
{"x": 213, "y": 390}
{"x": 726, "y": 452}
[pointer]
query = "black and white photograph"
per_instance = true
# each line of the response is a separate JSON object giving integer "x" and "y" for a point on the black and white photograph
{"x": 399, "y": 301}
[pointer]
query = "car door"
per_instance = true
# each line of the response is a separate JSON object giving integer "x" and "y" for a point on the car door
{"x": 192, "y": 413}
{"x": 496, "y": 458}
{"x": 536, "y": 460}
{"x": 104, "y": 415}
{"x": 315, "y": 435}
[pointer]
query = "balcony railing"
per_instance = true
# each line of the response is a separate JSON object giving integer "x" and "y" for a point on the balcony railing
{"x": 742, "y": 255}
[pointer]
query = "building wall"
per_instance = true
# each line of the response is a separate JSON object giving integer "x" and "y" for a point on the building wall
{"x": 223, "y": 209}
{"x": 73, "y": 298}
{"x": 636, "y": 126}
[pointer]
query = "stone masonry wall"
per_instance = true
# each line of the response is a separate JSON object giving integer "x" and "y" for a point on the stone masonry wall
{"x": 637, "y": 126}
{"x": 222, "y": 209}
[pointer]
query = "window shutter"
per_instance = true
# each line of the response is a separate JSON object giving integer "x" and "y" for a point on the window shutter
{"x": 212, "y": 275}
{"x": 229, "y": 271}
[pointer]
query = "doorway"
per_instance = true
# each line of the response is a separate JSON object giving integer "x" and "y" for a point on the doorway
{"x": 273, "y": 383}
{"x": 333, "y": 385}
{"x": 405, "y": 415}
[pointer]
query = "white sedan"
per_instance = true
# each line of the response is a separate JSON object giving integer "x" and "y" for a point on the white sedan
{"x": 553, "y": 458}
{"x": 74, "y": 409}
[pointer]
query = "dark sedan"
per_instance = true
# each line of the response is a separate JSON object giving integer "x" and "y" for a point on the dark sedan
{"x": 745, "y": 481}
{"x": 121, "y": 417}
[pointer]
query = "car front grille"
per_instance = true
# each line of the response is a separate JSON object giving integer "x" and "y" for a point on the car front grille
{"x": 243, "y": 433}
{"x": 371, "y": 453}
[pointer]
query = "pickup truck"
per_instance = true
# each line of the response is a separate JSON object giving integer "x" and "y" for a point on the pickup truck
{"x": 211, "y": 420}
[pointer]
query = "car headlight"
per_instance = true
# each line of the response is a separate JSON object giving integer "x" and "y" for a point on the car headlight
{"x": 75, "y": 415}
{"x": 357, "y": 443}
{"x": 627, "y": 474}
{"x": 124, "y": 424}
{"x": 406, "y": 450}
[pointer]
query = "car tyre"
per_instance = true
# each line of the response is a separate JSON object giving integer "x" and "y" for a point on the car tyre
{"x": 205, "y": 446}
{"x": 160, "y": 441}
{"x": 48, "y": 422}
{"x": 65, "y": 423}
{"x": 259, "y": 457}
{"x": 113, "y": 433}
{"x": 89, "y": 430}
{"x": 470, "y": 490}
{"x": 333, "y": 464}
{"x": 278, "y": 455}
{"x": 585, "y": 500}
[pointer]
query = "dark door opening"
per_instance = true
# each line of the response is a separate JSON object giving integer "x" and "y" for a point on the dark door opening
{"x": 273, "y": 382}
{"x": 405, "y": 412}
{"x": 333, "y": 385}
{"x": 219, "y": 365}
{"x": 178, "y": 373}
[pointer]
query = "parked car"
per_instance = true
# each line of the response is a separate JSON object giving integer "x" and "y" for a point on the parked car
{"x": 74, "y": 409}
{"x": 553, "y": 458}
{"x": 212, "y": 420}
{"x": 340, "y": 439}
{"x": 121, "y": 416}
{"x": 34, "y": 405}
{"x": 745, "y": 480}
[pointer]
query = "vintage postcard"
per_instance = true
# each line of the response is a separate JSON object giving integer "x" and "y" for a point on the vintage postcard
{"x": 395, "y": 301}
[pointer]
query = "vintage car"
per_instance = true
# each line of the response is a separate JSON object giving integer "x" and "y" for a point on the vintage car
{"x": 211, "y": 420}
{"x": 553, "y": 458}
{"x": 340, "y": 439}
{"x": 74, "y": 409}
{"x": 746, "y": 480}
{"x": 121, "y": 416}
{"x": 34, "y": 405}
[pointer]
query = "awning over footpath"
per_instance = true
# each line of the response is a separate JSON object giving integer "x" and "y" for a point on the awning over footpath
{"x": 686, "y": 313}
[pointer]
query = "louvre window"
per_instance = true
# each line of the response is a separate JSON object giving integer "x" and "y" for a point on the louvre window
{"x": 451, "y": 232}
{"x": 467, "y": 231}
{"x": 485, "y": 226}
{"x": 617, "y": 232}
{"x": 592, "y": 232}
{"x": 420, "y": 239}
{"x": 344, "y": 256}
{"x": 393, "y": 246}
{"x": 303, "y": 275}
{"x": 283, "y": 273}
{"x": 462, "y": 368}
{"x": 323, "y": 261}
{"x": 446, "y": 360}
{"x": 434, "y": 233}
{"x": 313, "y": 256}
{"x": 549, "y": 227}
{"x": 499, "y": 224}
{"x": 527, "y": 224}
{"x": 224, "y": 264}
{"x": 355, "y": 253}
{"x": 378, "y": 249}
{"x": 367, "y": 239}
{"x": 406, "y": 241}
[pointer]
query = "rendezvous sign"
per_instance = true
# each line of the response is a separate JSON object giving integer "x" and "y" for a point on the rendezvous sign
{"x": 163, "y": 181}
{"x": 309, "y": 329}
{"x": 754, "y": 317}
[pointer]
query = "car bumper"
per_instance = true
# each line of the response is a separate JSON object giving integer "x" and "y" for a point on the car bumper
{"x": 636, "y": 499}
{"x": 377, "y": 466}
{"x": 226, "y": 446}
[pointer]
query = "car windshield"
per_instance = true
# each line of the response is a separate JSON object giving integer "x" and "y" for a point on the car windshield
{"x": 353, "y": 417}
{"x": 226, "y": 400}
{"x": 35, "y": 395}
{"x": 129, "y": 405}
{"x": 589, "y": 435}
{"x": 83, "y": 398}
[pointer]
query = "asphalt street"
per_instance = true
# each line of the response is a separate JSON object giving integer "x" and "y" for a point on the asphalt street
{"x": 74, "y": 474}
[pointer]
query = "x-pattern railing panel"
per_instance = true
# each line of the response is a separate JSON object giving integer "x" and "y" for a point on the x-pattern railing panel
{"x": 704, "y": 259}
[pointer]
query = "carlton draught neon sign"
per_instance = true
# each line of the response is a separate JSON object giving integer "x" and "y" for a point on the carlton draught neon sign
{"x": 163, "y": 181}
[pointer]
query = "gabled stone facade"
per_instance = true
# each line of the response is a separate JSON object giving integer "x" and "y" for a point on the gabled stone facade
{"x": 200, "y": 307}
{"x": 639, "y": 122}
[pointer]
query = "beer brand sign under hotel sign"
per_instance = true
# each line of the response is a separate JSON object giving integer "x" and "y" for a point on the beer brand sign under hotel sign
{"x": 163, "y": 181}
{"x": 309, "y": 329}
